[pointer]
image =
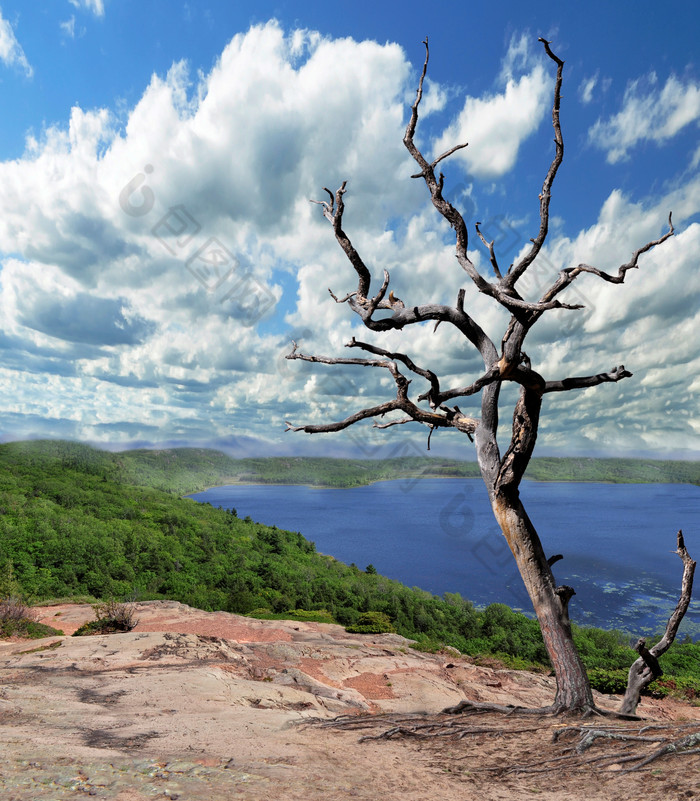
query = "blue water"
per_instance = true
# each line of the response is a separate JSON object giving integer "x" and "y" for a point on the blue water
{"x": 440, "y": 535}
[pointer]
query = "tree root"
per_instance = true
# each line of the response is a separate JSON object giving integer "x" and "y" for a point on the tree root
{"x": 636, "y": 759}
{"x": 418, "y": 724}
{"x": 625, "y": 748}
{"x": 542, "y": 711}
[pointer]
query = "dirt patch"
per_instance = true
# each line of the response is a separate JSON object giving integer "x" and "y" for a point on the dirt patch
{"x": 371, "y": 686}
{"x": 314, "y": 668}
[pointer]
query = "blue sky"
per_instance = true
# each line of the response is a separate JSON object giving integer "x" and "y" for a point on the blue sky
{"x": 158, "y": 250}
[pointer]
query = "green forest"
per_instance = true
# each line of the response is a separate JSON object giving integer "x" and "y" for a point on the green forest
{"x": 76, "y": 522}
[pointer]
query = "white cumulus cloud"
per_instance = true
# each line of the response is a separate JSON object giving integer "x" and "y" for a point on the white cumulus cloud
{"x": 103, "y": 289}
{"x": 649, "y": 113}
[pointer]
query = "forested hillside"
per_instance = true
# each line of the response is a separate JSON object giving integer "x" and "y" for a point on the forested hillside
{"x": 70, "y": 526}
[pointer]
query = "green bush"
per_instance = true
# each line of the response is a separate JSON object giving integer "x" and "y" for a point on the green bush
{"x": 312, "y": 615}
{"x": 9, "y": 586}
{"x": 34, "y": 631}
{"x": 610, "y": 682}
{"x": 371, "y": 623}
{"x": 429, "y": 646}
{"x": 302, "y": 615}
{"x": 603, "y": 649}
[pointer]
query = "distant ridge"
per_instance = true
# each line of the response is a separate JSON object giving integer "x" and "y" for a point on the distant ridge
{"x": 185, "y": 470}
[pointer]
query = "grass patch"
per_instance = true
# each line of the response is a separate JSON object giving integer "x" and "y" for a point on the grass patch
{"x": 27, "y": 629}
{"x": 70, "y": 599}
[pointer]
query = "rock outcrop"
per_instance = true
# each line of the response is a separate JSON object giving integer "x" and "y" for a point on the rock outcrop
{"x": 201, "y": 705}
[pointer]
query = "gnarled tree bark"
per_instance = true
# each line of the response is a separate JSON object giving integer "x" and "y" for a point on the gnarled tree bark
{"x": 502, "y": 474}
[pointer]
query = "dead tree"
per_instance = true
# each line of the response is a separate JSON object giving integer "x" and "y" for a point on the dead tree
{"x": 502, "y": 472}
{"x": 647, "y": 667}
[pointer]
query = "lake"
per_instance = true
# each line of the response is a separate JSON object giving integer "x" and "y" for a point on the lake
{"x": 440, "y": 535}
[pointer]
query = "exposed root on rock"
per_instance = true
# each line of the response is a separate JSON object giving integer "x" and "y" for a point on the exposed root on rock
{"x": 622, "y": 748}
{"x": 418, "y": 724}
{"x": 542, "y": 711}
{"x": 634, "y": 757}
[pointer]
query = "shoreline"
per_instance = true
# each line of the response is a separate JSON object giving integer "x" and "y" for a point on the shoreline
{"x": 421, "y": 478}
{"x": 327, "y": 486}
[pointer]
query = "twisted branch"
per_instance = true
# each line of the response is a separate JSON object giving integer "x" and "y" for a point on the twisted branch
{"x": 448, "y": 419}
{"x": 569, "y": 274}
{"x": 429, "y": 375}
{"x": 333, "y": 211}
{"x": 583, "y": 382}
{"x": 517, "y": 270}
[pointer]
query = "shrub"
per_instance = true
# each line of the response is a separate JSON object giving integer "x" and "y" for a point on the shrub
{"x": 14, "y": 608}
{"x": 111, "y": 617}
{"x": 312, "y": 615}
{"x": 685, "y": 688}
{"x": 18, "y": 620}
{"x": 302, "y": 615}
{"x": 9, "y": 586}
{"x": 14, "y": 616}
{"x": 261, "y": 612}
{"x": 371, "y": 623}
{"x": 610, "y": 682}
{"x": 431, "y": 646}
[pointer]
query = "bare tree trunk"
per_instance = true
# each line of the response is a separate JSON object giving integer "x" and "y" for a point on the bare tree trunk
{"x": 647, "y": 667}
{"x": 550, "y": 604}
